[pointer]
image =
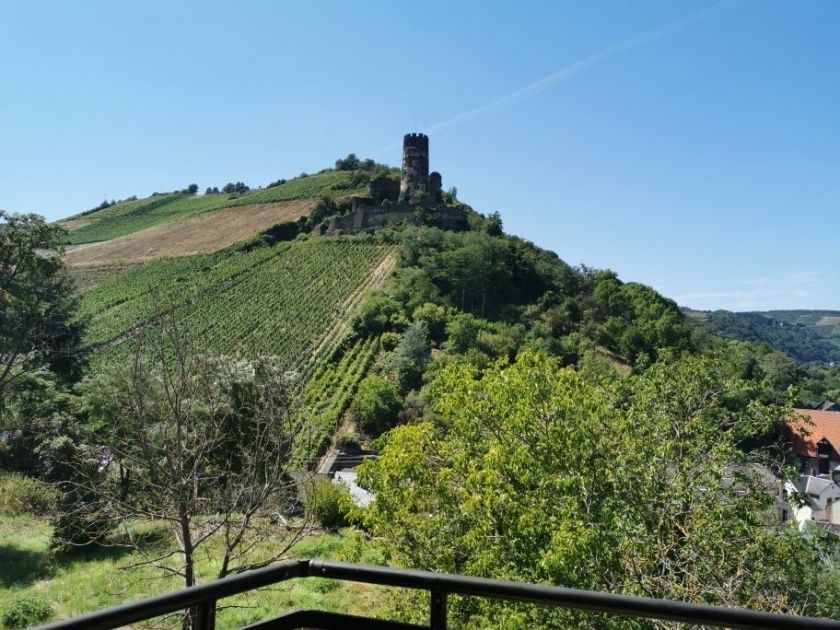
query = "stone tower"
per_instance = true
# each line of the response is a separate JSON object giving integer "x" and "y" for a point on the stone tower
{"x": 414, "y": 181}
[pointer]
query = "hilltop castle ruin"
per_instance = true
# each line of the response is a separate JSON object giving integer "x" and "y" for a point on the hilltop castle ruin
{"x": 417, "y": 200}
{"x": 416, "y": 183}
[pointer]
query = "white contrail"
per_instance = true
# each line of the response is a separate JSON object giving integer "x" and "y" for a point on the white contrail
{"x": 574, "y": 68}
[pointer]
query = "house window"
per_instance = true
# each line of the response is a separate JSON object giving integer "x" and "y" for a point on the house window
{"x": 823, "y": 451}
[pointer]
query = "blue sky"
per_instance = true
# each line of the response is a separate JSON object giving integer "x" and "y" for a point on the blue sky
{"x": 692, "y": 146}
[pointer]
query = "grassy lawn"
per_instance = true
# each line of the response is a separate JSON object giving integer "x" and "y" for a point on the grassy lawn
{"x": 96, "y": 579}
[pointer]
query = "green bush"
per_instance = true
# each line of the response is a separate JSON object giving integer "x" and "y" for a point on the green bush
{"x": 328, "y": 503}
{"x": 389, "y": 340}
{"x": 435, "y": 317}
{"x": 378, "y": 313}
{"x": 24, "y": 495}
{"x": 27, "y": 609}
{"x": 376, "y": 404}
{"x": 348, "y": 439}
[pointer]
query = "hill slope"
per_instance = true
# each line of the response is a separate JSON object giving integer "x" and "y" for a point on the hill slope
{"x": 197, "y": 234}
{"x": 475, "y": 295}
{"x": 826, "y": 324}
{"x": 803, "y": 335}
{"x": 127, "y": 217}
{"x": 292, "y": 300}
{"x": 283, "y": 300}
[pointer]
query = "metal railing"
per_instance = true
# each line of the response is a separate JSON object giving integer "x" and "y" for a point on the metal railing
{"x": 439, "y": 585}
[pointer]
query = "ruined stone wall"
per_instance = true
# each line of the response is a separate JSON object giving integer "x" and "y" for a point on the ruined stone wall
{"x": 372, "y": 218}
{"x": 435, "y": 186}
{"x": 383, "y": 188}
{"x": 414, "y": 179}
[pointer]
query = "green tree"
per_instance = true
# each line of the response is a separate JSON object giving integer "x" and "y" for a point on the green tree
{"x": 635, "y": 485}
{"x": 376, "y": 404}
{"x": 408, "y": 360}
{"x": 38, "y": 327}
{"x": 435, "y": 317}
{"x": 461, "y": 333}
{"x": 494, "y": 224}
{"x": 350, "y": 163}
{"x": 378, "y": 313}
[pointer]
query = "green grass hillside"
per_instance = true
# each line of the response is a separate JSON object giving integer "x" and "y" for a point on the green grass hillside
{"x": 127, "y": 217}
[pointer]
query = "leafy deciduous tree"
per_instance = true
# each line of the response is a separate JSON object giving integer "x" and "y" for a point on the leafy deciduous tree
{"x": 38, "y": 327}
{"x": 630, "y": 484}
{"x": 201, "y": 444}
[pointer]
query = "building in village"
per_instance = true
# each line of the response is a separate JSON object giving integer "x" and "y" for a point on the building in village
{"x": 815, "y": 442}
{"x": 814, "y": 446}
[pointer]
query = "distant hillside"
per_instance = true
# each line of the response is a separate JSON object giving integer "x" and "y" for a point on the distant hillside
{"x": 803, "y": 335}
{"x": 825, "y": 323}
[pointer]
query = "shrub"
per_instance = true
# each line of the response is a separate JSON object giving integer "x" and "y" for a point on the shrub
{"x": 378, "y": 313}
{"x": 27, "y": 609}
{"x": 324, "y": 207}
{"x": 328, "y": 503}
{"x": 348, "y": 440}
{"x": 24, "y": 495}
{"x": 389, "y": 340}
{"x": 435, "y": 317}
{"x": 376, "y": 404}
{"x": 286, "y": 231}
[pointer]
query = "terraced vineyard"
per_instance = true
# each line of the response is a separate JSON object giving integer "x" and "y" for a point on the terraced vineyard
{"x": 328, "y": 395}
{"x": 132, "y": 216}
{"x": 291, "y": 300}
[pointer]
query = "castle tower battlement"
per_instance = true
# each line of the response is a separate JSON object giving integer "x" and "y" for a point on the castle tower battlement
{"x": 414, "y": 178}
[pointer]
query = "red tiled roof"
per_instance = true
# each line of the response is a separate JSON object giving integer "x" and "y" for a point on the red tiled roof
{"x": 826, "y": 424}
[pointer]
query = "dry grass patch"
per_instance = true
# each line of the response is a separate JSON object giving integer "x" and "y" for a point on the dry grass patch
{"x": 201, "y": 234}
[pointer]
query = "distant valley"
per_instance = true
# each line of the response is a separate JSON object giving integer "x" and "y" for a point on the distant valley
{"x": 804, "y": 335}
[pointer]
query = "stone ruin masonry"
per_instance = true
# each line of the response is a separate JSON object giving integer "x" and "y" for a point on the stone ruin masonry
{"x": 418, "y": 196}
{"x": 414, "y": 177}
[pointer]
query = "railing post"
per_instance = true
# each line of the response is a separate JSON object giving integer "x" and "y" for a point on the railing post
{"x": 437, "y": 620}
{"x": 206, "y": 615}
